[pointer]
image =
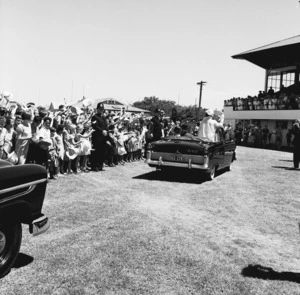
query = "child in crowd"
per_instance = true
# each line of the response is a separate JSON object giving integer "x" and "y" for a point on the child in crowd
{"x": 131, "y": 146}
{"x": 110, "y": 148}
{"x": 84, "y": 135}
{"x": 53, "y": 155}
{"x": 71, "y": 148}
{"x": 139, "y": 142}
{"x": 59, "y": 141}
{"x": 121, "y": 151}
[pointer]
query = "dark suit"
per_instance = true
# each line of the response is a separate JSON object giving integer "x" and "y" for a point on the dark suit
{"x": 156, "y": 128}
{"x": 98, "y": 141}
{"x": 296, "y": 143}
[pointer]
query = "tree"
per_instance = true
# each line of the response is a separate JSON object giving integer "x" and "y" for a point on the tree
{"x": 184, "y": 112}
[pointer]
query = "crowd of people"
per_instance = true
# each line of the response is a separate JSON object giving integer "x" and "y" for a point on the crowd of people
{"x": 255, "y": 135}
{"x": 73, "y": 140}
{"x": 259, "y": 136}
{"x": 285, "y": 99}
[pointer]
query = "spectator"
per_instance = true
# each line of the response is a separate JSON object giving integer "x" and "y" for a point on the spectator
{"x": 296, "y": 142}
{"x": 99, "y": 124}
{"x": 278, "y": 137}
{"x": 289, "y": 138}
{"x": 265, "y": 132}
{"x": 271, "y": 91}
{"x": 23, "y": 137}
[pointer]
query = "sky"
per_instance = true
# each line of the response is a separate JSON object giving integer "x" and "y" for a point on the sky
{"x": 127, "y": 50}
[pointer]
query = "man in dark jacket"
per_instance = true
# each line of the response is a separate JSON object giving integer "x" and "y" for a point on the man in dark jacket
{"x": 296, "y": 142}
{"x": 156, "y": 125}
{"x": 99, "y": 124}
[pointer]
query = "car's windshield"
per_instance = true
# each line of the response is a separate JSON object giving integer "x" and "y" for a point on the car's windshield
{"x": 188, "y": 138}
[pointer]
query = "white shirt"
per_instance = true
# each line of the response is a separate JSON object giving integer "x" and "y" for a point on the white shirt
{"x": 208, "y": 127}
{"x": 44, "y": 133}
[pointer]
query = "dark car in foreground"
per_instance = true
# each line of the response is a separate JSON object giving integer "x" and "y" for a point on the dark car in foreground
{"x": 190, "y": 152}
{"x": 22, "y": 192}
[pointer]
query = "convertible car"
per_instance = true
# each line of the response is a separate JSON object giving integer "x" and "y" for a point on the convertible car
{"x": 193, "y": 153}
{"x": 22, "y": 193}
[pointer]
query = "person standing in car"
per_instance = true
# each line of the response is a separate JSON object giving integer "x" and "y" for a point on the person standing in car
{"x": 208, "y": 127}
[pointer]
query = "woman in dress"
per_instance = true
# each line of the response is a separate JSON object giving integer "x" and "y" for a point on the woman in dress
{"x": 83, "y": 135}
{"x": 23, "y": 138}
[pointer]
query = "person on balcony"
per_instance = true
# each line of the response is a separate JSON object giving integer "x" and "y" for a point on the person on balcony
{"x": 271, "y": 91}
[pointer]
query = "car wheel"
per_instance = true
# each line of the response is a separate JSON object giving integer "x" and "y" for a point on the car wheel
{"x": 211, "y": 174}
{"x": 10, "y": 242}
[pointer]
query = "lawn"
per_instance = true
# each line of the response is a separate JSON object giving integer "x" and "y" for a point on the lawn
{"x": 132, "y": 230}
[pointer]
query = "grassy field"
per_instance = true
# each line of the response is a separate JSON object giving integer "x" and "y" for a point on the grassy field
{"x": 131, "y": 230}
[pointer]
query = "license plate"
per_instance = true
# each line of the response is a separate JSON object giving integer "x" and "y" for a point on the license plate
{"x": 176, "y": 158}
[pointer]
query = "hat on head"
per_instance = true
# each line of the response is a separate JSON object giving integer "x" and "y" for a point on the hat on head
{"x": 44, "y": 144}
{"x": 43, "y": 112}
{"x": 30, "y": 104}
{"x": 100, "y": 106}
{"x": 209, "y": 112}
{"x": 6, "y": 94}
{"x": 76, "y": 110}
{"x": 26, "y": 116}
{"x": 47, "y": 119}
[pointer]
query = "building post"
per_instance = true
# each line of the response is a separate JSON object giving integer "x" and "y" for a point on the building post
{"x": 266, "y": 81}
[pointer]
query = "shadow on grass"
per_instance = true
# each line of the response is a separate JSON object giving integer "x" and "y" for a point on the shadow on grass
{"x": 267, "y": 273}
{"x": 286, "y": 168}
{"x": 177, "y": 175}
{"x": 22, "y": 260}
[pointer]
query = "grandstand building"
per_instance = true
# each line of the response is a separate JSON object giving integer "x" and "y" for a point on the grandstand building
{"x": 281, "y": 105}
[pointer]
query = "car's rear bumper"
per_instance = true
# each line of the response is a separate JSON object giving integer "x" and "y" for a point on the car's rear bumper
{"x": 39, "y": 225}
{"x": 190, "y": 165}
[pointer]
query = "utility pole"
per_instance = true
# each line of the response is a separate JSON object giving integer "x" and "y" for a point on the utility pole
{"x": 200, "y": 96}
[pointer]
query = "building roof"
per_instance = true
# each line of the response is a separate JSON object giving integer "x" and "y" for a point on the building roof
{"x": 280, "y": 54}
{"x": 96, "y": 101}
{"x": 118, "y": 106}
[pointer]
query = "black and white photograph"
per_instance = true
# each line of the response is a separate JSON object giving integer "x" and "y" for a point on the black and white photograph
{"x": 149, "y": 147}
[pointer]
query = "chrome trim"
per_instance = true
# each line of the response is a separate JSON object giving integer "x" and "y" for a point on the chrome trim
{"x": 39, "y": 226}
{"x": 160, "y": 161}
{"x": 178, "y": 164}
{"x": 30, "y": 185}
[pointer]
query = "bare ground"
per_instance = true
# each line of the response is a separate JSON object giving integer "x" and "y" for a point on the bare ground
{"x": 131, "y": 230}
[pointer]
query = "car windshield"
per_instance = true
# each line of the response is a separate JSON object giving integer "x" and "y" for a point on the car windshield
{"x": 188, "y": 138}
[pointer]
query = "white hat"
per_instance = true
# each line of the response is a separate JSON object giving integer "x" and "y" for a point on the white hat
{"x": 72, "y": 153}
{"x": 209, "y": 112}
{"x": 76, "y": 110}
{"x": 6, "y": 94}
{"x": 13, "y": 158}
